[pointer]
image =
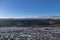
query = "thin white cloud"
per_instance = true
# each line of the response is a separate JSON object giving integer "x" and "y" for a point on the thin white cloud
{"x": 12, "y": 17}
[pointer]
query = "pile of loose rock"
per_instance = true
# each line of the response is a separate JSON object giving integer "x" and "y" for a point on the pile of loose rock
{"x": 30, "y": 34}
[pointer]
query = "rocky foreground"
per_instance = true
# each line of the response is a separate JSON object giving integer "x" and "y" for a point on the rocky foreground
{"x": 29, "y": 33}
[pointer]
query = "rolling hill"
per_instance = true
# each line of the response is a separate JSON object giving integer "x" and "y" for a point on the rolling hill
{"x": 29, "y": 22}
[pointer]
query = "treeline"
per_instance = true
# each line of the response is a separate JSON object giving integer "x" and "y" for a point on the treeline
{"x": 27, "y": 22}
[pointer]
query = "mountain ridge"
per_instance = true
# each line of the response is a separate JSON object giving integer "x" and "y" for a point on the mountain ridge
{"x": 44, "y": 17}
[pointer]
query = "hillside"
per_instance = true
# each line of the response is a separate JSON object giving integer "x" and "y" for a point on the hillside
{"x": 28, "y": 22}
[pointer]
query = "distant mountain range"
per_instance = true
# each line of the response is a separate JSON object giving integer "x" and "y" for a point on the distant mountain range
{"x": 28, "y": 22}
{"x": 51, "y": 17}
{"x": 44, "y": 17}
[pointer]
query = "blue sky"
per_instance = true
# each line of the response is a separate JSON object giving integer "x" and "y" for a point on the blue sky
{"x": 29, "y": 8}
